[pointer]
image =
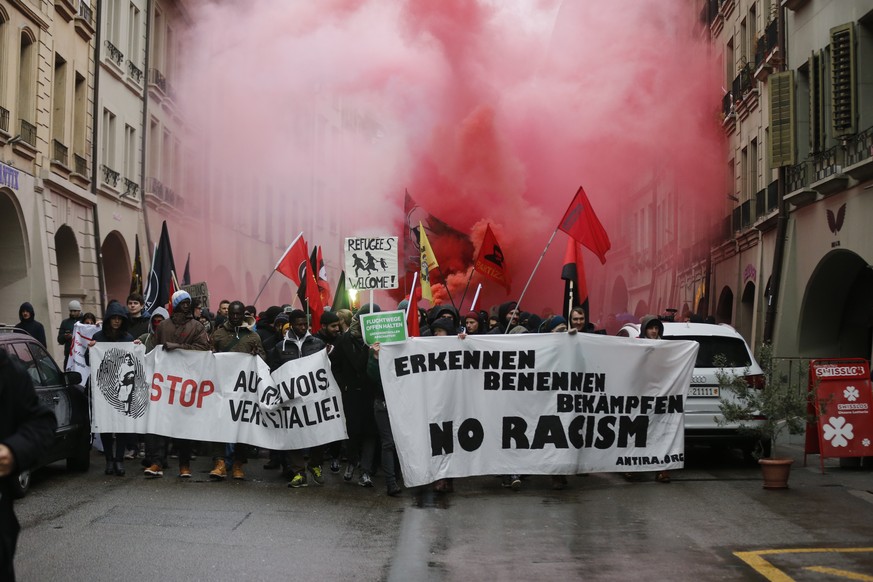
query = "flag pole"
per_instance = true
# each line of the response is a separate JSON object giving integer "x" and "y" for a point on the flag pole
{"x": 264, "y": 286}
{"x": 411, "y": 293}
{"x": 470, "y": 278}
{"x": 475, "y": 298}
{"x": 448, "y": 291}
{"x": 526, "y": 285}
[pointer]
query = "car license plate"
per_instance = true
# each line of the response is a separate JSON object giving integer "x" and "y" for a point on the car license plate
{"x": 703, "y": 391}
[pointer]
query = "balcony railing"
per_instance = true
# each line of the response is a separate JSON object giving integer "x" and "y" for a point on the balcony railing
{"x": 131, "y": 188}
{"x": 80, "y": 165}
{"x": 859, "y": 147}
{"x": 110, "y": 176}
{"x": 743, "y": 83}
{"x": 745, "y": 215}
{"x": 766, "y": 43}
{"x": 60, "y": 153}
{"x": 134, "y": 72}
{"x": 85, "y": 12}
{"x": 761, "y": 202}
{"x": 157, "y": 78}
{"x": 4, "y": 119}
{"x": 796, "y": 176}
{"x": 115, "y": 55}
{"x": 772, "y": 195}
{"x": 155, "y": 186}
{"x": 28, "y": 133}
{"x": 826, "y": 163}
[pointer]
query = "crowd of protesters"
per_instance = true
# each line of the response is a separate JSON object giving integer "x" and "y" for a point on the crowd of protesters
{"x": 280, "y": 334}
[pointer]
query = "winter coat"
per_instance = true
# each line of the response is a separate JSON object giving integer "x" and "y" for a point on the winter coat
{"x": 646, "y": 320}
{"x": 149, "y": 338}
{"x": 106, "y": 333}
{"x": 291, "y": 348}
{"x": 242, "y": 339}
{"x": 182, "y": 331}
{"x": 31, "y": 326}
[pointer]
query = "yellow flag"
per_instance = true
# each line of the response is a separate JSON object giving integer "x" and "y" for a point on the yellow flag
{"x": 428, "y": 262}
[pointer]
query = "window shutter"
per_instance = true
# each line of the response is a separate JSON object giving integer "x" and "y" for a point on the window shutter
{"x": 781, "y": 119}
{"x": 843, "y": 90}
{"x": 816, "y": 104}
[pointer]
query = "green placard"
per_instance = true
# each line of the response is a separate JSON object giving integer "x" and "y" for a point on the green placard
{"x": 386, "y": 327}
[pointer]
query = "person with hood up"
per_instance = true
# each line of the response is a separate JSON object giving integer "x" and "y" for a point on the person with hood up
{"x": 235, "y": 335}
{"x": 350, "y": 358}
{"x": 507, "y": 317}
{"x": 115, "y": 324}
{"x": 148, "y": 339}
{"x": 27, "y": 321}
{"x": 180, "y": 331}
{"x": 298, "y": 343}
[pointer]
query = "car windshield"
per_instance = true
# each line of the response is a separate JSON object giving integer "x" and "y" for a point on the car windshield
{"x": 733, "y": 349}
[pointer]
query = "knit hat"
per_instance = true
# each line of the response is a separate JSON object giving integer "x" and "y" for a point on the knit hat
{"x": 443, "y": 323}
{"x": 551, "y": 324}
{"x": 179, "y": 297}
{"x": 328, "y": 317}
{"x": 75, "y": 305}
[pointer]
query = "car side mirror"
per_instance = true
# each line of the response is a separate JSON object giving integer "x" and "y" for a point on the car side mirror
{"x": 72, "y": 378}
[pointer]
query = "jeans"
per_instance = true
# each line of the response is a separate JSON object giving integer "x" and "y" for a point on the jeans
{"x": 383, "y": 424}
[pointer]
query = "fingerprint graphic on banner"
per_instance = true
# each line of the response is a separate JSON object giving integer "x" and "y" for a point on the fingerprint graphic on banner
{"x": 122, "y": 382}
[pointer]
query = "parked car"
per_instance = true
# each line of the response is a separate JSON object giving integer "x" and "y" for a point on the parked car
{"x": 704, "y": 423}
{"x": 60, "y": 391}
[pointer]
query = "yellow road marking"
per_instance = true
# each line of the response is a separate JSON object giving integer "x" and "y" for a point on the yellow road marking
{"x": 840, "y": 573}
{"x": 757, "y": 561}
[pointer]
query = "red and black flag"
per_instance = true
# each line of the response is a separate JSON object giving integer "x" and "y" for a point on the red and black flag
{"x": 294, "y": 264}
{"x": 491, "y": 261}
{"x": 318, "y": 269}
{"x": 573, "y": 274}
{"x": 136, "y": 272}
{"x": 582, "y": 224}
{"x": 161, "y": 282}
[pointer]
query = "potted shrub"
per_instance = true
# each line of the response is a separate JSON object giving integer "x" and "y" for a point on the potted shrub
{"x": 764, "y": 412}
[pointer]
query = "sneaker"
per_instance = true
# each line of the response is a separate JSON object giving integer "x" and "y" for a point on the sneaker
{"x": 129, "y": 455}
{"x": 515, "y": 482}
{"x": 219, "y": 471}
{"x": 237, "y": 471}
{"x": 365, "y": 480}
{"x": 394, "y": 490}
{"x": 316, "y": 475}
{"x": 350, "y": 472}
{"x": 153, "y": 471}
{"x": 334, "y": 466}
{"x": 185, "y": 471}
{"x": 299, "y": 480}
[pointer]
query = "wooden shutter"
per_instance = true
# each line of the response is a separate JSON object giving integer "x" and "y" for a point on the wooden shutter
{"x": 843, "y": 81}
{"x": 781, "y": 119}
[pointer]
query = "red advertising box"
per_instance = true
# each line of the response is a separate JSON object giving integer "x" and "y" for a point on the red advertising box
{"x": 843, "y": 407}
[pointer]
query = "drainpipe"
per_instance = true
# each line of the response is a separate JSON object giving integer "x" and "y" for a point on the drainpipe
{"x": 145, "y": 128}
{"x": 782, "y": 219}
{"x": 98, "y": 248}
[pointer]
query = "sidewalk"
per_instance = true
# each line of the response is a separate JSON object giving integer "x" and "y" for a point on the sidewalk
{"x": 854, "y": 478}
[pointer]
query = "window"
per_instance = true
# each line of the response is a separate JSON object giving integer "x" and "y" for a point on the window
{"x": 50, "y": 375}
{"x": 816, "y": 103}
{"x": 730, "y": 64}
{"x": 133, "y": 34}
{"x": 59, "y": 100}
{"x": 108, "y": 146}
{"x": 80, "y": 115}
{"x": 27, "y": 84}
{"x": 130, "y": 153}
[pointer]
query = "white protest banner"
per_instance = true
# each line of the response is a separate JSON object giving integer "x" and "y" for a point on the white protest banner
{"x": 228, "y": 398}
{"x": 536, "y": 404}
{"x": 371, "y": 262}
{"x": 119, "y": 387}
{"x": 82, "y": 334}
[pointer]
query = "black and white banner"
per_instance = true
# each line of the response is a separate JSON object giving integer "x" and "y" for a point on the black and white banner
{"x": 229, "y": 398}
{"x": 536, "y": 404}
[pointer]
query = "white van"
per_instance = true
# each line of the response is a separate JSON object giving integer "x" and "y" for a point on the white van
{"x": 702, "y": 405}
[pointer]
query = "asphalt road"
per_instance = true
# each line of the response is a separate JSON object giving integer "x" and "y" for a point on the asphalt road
{"x": 93, "y": 527}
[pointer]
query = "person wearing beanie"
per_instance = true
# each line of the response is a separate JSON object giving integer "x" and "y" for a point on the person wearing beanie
{"x": 178, "y": 332}
{"x": 473, "y": 324}
{"x": 27, "y": 321}
{"x": 443, "y": 326}
{"x": 65, "y": 332}
{"x": 555, "y": 324}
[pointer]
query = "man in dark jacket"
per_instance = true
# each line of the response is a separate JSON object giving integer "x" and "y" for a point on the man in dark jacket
{"x": 65, "y": 332}
{"x": 507, "y": 317}
{"x": 136, "y": 315}
{"x": 27, "y": 322}
{"x": 27, "y": 429}
{"x": 298, "y": 343}
{"x": 180, "y": 332}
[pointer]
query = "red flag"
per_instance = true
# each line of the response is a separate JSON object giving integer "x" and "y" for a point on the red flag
{"x": 491, "y": 262}
{"x": 317, "y": 261}
{"x": 294, "y": 264}
{"x": 575, "y": 285}
{"x": 582, "y": 224}
{"x": 413, "y": 329}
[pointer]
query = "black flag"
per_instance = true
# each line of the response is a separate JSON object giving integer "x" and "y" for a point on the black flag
{"x": 157, "y": 293}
